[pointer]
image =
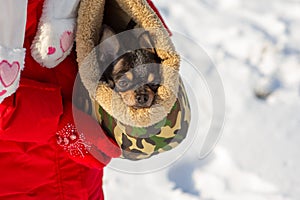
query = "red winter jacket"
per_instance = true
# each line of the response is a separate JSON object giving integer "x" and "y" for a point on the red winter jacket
{"x": 32, "y": 165}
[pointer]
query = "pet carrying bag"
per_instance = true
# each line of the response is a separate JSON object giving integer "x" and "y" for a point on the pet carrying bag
{"x": 143, "y": 132}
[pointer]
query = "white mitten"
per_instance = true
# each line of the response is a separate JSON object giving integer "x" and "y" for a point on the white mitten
{"x": 12, "y": 54}
{"x": 55, "y": 37}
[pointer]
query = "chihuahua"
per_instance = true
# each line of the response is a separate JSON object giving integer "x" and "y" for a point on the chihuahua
{"x": 135, "y": 75}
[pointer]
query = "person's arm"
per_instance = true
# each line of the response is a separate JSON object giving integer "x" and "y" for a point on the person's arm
{"x": 12, "y": 54}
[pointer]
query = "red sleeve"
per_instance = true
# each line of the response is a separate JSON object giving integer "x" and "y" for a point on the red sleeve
{"x": 83, "y": 139}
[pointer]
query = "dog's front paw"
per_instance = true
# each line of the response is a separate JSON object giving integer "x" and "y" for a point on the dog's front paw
{"x": 53, "y": 42}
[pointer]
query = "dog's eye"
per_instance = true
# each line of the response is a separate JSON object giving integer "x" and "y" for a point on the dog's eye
{"x": 123, "y": 83}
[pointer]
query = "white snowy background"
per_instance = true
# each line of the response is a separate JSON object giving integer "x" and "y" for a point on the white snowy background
{"x": 255, "y": 45}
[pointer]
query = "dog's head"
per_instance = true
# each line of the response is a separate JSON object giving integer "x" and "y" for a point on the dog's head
{"x": 136, "y": 74}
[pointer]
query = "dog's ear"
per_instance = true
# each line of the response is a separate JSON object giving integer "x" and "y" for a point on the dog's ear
{"x": 145, "y": 41}
{"x": 109, "y": 44}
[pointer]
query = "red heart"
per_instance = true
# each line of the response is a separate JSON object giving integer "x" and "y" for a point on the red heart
{"x": 3, "y": 92}
{"x": 66, "y": 41}
{"x": 51, "y": 50}
{"x": 8, "y": 72}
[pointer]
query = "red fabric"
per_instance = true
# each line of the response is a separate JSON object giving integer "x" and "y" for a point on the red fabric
{"x": 32, "y": 165}
{"x": 84, "y": 140}
{"x": 35, "y": 109}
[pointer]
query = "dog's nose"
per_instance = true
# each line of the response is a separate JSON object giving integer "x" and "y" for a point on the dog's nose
{"x": 142, "y": 99}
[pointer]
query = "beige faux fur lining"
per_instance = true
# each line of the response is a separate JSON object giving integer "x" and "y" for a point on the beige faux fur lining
{"x": 89, "y": 24}
{"x": 90, "y": 16}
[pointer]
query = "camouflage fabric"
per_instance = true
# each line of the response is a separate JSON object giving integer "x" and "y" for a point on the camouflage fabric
{"x": 139, "y": 142}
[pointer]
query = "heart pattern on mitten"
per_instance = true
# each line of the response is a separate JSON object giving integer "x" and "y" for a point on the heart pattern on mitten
{"x": 66, "y": 41}
{"x": 9, "y": 72}
{"x": 54, "y": 40}
{"x": 51, "y": 50}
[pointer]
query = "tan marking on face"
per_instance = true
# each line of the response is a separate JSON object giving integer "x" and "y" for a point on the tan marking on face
{"x": 150, "y": 77}
{"x": 128, "y": 97}
{"x": 129, "y": 76}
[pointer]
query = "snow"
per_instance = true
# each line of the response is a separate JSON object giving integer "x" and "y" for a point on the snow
{"x": 255, "y": 46}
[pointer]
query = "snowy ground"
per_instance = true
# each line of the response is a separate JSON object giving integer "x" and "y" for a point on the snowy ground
{"x": 256, "y": 47}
